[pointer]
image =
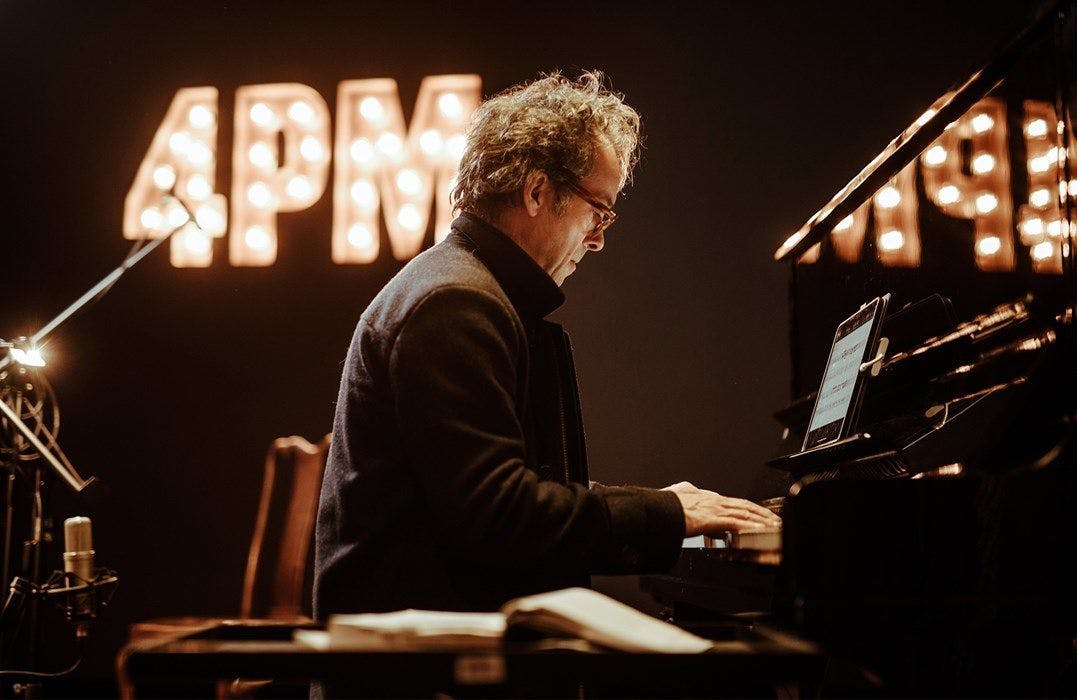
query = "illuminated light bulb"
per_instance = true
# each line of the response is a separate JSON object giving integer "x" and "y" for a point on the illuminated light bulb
{"x": 409, "y": 182}
{"x": 1040, "y": 198}
{"x": 1039, "y": 164}
{"x": 299, "y": 187}
{"x": 892, "y": 240}
{"x": 372, "y": 110}
{"x": 179, "y": 142}
{"x": 989, "y": 245}
{"x": 257, "y": 238}
{"x": 925, "y": 117}
{"x": 259, "y": 195}
{"x": 844, "y": 225}
{"x": 936, "y": 155}
{"x": 31, "y": 357}
{"x": 1054, "y": 228}
{"x": 409, "y": 217}
{"x": 983, "y": 163}
{"x": 360, "y": 236}
{"x": 982, "y": 122}
{"x": 197, "y": 187}
{"x": 199, "y": 153}
{"x": 363, "y": 194}
{"x": 362, "y": 151}
{"x": 1032, "y": 228}
{"x": 1036, "y": 128}
{"x": 196, "y": 242}
{"x": 262, "y": 115}
{"x": 456, "y": 146}
{"x": 200, "y": 117}
{"x": 431, "y": 142}
{"x": 311, "y": 149}
{"x": 151, "y": 218}
{"x": 164, "y": 177}
{"x": 451, "y": 106}
{"x": 34, "y": 357}
{"x": 948, "y": 194}
{"x": 888, "y": 197}
{"x": 301, "y": 112}
{"x": 261, "y": 155}
{"x": 986, "y": 203}
{"x": 1043, "y": 250}
{"x": 177, "y": 216}
{"x": 390, "y": 145}
{"x": 209, "y": 219}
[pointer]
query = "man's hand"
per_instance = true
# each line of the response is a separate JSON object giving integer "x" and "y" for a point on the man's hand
{"x": 708, "y": 513}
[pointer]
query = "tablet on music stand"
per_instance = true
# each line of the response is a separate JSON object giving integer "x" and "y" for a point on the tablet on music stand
{"x": 853, "y": 351}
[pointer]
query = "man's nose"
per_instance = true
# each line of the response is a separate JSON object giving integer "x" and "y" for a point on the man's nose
{"x": 595, "y": 240}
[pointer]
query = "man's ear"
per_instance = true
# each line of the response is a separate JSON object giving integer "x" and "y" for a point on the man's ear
{"x": 537, "y": 191}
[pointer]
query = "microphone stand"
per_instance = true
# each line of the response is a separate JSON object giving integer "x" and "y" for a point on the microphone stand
{"x": 21, "y": 588}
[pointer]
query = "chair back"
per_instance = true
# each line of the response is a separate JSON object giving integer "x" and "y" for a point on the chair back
{"x": 280, "y": 564}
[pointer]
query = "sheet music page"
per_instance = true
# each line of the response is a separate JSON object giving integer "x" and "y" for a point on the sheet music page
{"x": 840, "y": 379}
{"x": 596, "y": 618}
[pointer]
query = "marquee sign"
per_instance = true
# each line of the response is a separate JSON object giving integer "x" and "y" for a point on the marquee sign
{"x": 281, "y": 154}
{"x": 282, "y": 150}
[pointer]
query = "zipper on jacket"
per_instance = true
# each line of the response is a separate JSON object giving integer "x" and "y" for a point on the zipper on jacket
{"x": 564, "y": 423}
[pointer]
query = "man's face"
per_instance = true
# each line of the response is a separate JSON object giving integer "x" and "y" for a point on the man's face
{"x": 567, "y": 237}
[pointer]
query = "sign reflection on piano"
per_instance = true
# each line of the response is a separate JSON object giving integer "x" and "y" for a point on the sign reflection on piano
{"x": 967, "y": 174}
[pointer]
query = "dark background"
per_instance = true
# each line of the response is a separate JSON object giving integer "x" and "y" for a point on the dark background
{"x": 173, "y": 386}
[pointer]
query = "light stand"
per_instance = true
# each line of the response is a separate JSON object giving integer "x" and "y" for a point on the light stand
{"x": 80, "y": 595}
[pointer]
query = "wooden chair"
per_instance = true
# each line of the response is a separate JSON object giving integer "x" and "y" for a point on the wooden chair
{"x": 280, "y": 563}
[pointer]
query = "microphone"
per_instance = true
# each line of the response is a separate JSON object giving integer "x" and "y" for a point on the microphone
{"x": 79, "y": 560}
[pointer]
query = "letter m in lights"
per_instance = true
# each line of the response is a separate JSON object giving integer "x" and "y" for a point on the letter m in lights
{"x": 280, "y": 162}
{"x": 379, "y": 166}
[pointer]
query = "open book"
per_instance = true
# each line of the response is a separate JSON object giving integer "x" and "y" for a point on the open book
{"x": 577, "y": 613}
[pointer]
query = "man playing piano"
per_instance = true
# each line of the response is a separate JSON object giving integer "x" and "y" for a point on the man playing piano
{"x": 457, "y": 476}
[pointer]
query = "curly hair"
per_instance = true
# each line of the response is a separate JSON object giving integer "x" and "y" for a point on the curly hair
{"x": 552, "y": 124}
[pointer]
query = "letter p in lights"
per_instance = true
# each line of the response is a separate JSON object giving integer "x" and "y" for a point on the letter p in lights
{"x": 280, "y": 160}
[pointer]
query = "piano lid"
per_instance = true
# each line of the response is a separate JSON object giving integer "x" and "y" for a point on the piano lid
{"x": 1050, "y": 19}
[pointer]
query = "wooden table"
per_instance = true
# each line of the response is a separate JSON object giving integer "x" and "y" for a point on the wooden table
{"x": 747, "y": 661}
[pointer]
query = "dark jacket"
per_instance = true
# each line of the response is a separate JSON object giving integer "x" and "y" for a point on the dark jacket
{"x": 457, "y": 474}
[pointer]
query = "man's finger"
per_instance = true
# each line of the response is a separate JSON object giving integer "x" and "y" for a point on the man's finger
{"x": 736, "y": 525}
{"x": 745, "y": 514}
{"x": 754, "y": 515}
{"x": 756, "y": 508}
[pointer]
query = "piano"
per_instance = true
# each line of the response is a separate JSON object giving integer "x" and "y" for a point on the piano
{"x": 938, "y": 556}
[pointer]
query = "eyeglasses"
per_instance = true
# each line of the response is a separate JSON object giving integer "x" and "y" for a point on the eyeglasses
{"x": 606, "y": 216}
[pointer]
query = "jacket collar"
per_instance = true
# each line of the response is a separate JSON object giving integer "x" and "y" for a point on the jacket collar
{"x": 529, "y": 288}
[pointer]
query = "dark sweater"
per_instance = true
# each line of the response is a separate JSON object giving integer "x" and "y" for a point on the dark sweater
{"x": 457, "y": 474}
